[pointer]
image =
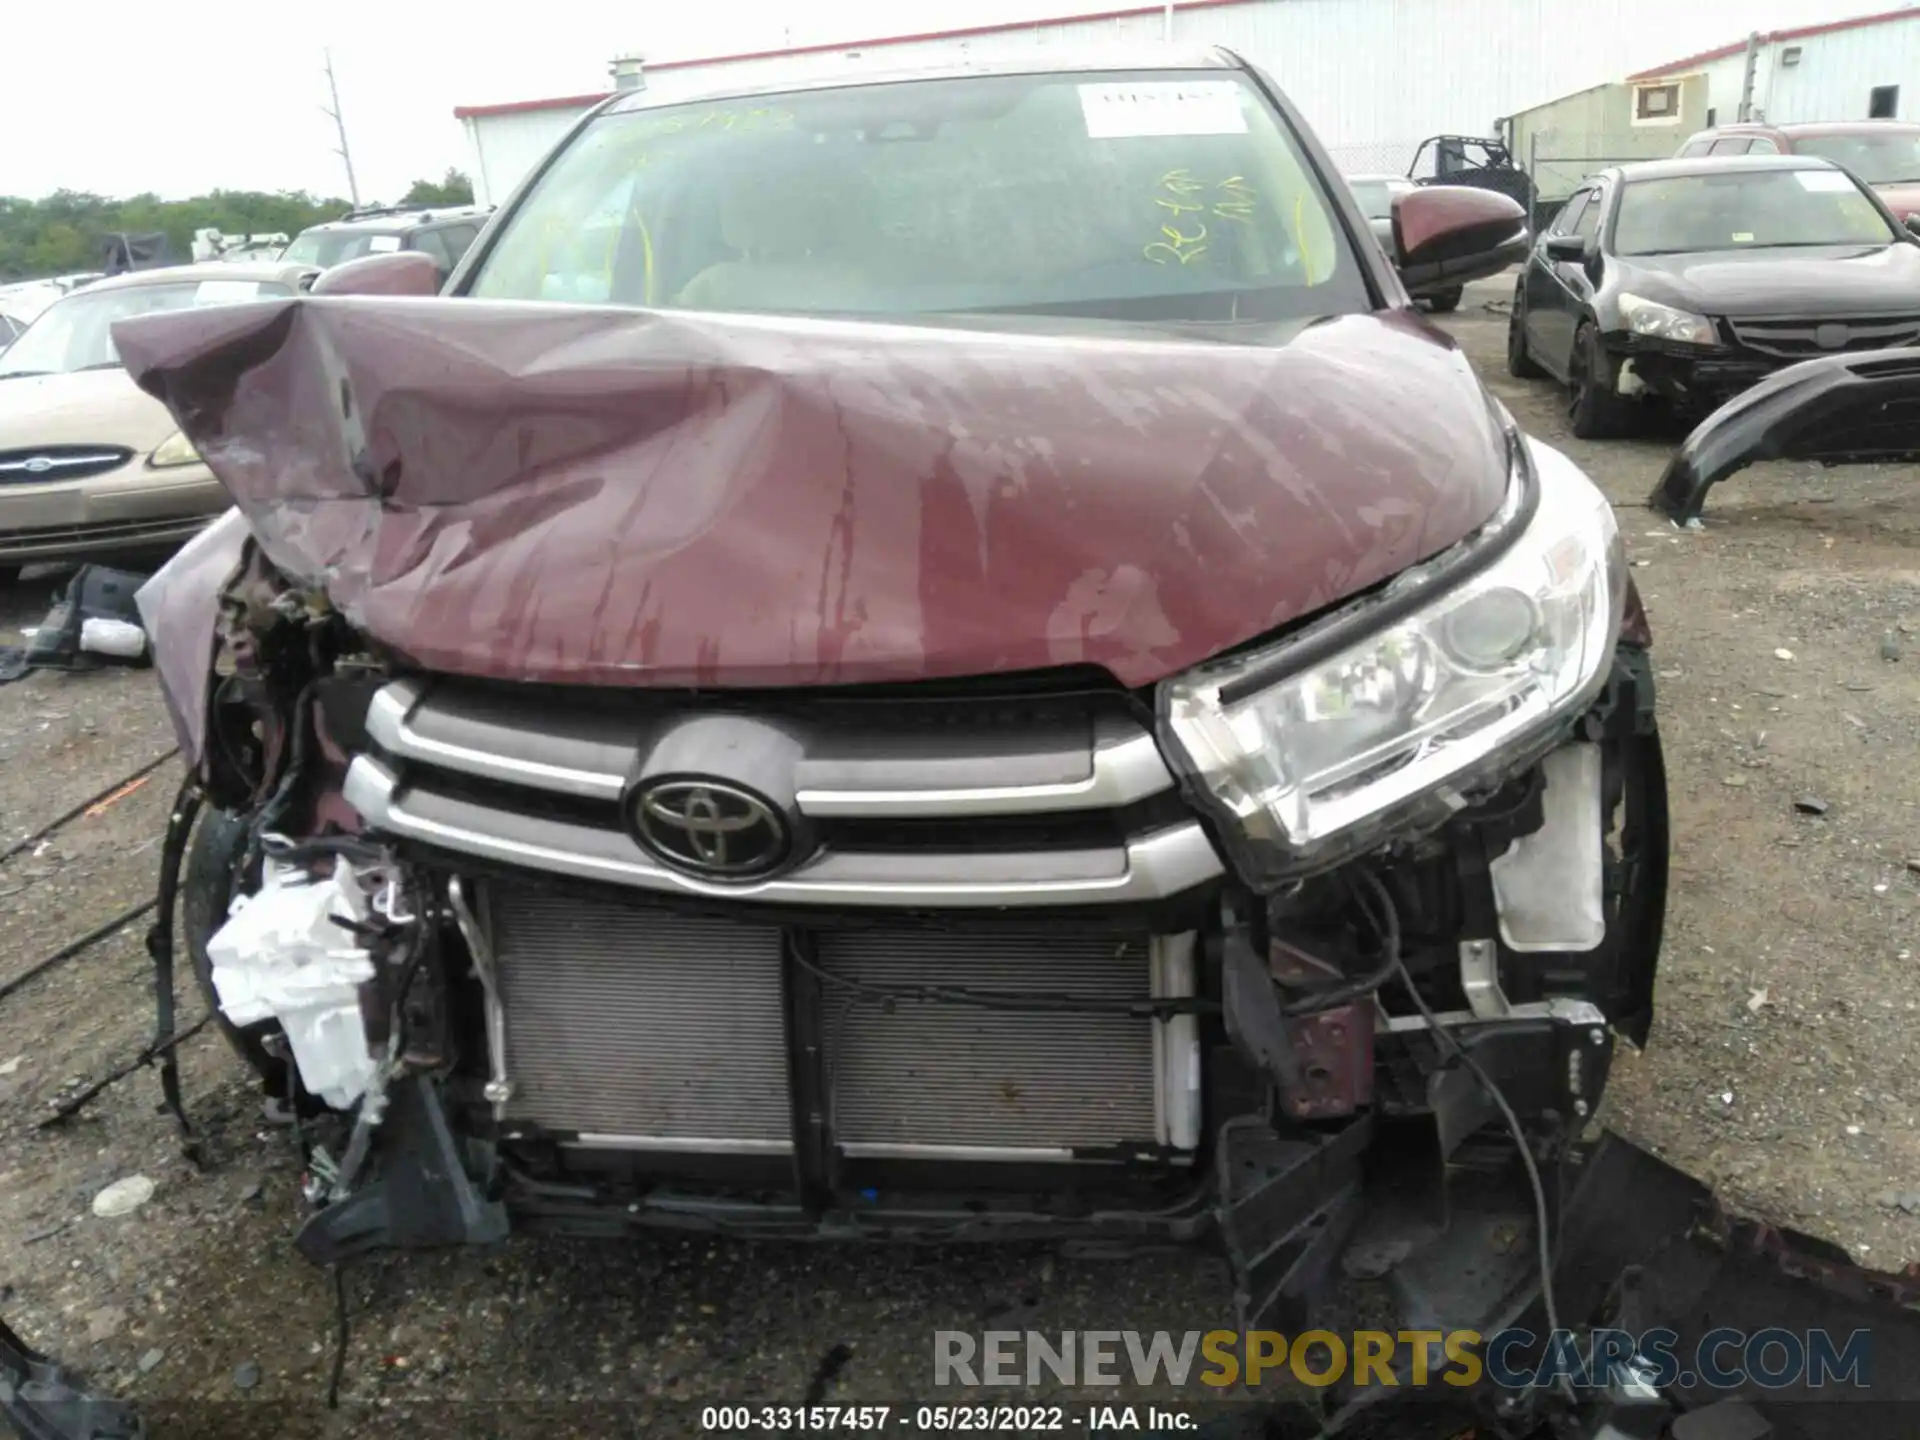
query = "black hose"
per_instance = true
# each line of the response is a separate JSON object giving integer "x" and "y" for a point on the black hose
{"x": 339, "y": 1336}
{"x": 173, "y": 853}
{"x": 75, "y": 1104}
{"x": 1452, "y": 1047}
{"x": 1389, "y": 927}
{"x": 269, "y": 814}
{"x": 67, "y": 952}
{"x": 1009, "y": 1000}
{"x": 86, "y": 805}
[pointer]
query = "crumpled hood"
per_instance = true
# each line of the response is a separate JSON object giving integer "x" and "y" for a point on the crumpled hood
{"x": 620, "y": 497}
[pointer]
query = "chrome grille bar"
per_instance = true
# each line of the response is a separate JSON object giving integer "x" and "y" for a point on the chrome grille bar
{"x": 1153, "y": 866}
{"x": 877, "y": 774}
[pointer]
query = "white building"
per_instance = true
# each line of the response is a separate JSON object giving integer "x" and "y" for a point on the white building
{"x": 1374, "y": 77}
{"x": 1864, "y": 68}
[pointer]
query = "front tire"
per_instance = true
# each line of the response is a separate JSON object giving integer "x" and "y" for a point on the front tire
{"x": 1445, "y": 302}
{"x": 1594, "y": 410}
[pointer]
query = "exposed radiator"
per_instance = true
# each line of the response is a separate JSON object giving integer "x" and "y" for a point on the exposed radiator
{"x": 641, "y": 1023}
{"x": 644, "y": 1029}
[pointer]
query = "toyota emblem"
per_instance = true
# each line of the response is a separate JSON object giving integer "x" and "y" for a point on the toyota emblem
{"x": 710, "y": 828}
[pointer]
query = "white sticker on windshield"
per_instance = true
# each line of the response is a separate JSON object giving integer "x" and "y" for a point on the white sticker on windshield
{"x": 1163, "y": 107}
{"x": 379, "y": 243}
{"x": 225, "y": 292}
{"x": 1822, "y": 180}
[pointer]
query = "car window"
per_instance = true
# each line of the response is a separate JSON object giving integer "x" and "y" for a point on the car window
{"x": 1746, "y": 210}
{"x": 327, "y": 248}
{"x": 1763, "y": 146}
{"x": 1880, "y": 157}
{"x": 1571, "y": 213}
{"x": 434, "y": 245}
{"x": 457, "y": 238}
{"x": 1376, "y": 196}
{"x": 1587, "y": 223}
{"x": 76, "y": 333}
{"x": 1158, "y": 196}
{"x": 1698, "y": 146}
{"x": 1732, "y": 145}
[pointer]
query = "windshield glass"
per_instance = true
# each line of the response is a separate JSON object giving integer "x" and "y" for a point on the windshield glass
{"x": 335, "y": 247}
{"x": 1878, "y": 157}
{"x": 1745, "y": 210}
{"x": 1376, "y": 196}
{"x": 77, "y": 333}
{"x": 1164, "y": 197}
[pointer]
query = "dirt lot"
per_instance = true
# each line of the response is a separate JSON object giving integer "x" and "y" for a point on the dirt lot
{"x": 1780, "y": 1065}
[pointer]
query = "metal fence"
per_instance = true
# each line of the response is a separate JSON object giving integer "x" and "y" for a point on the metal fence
{"x": 1559, "y": 160}
{"x": 1382, "y": 157}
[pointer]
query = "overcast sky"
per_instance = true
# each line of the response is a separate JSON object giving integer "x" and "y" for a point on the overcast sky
{"x": 118, "y": 98}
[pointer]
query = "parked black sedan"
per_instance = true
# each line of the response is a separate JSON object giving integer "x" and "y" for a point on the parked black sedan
{"x": 1688, "y": 280}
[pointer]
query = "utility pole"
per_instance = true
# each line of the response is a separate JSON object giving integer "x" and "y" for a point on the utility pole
{"x": 333, "y": 90}
{"x": 1745, "y": 112}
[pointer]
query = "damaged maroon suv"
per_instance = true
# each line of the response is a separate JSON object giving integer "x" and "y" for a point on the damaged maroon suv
{"x": 941, "y": 658}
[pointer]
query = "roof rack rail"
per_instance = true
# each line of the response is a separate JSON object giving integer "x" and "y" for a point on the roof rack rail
{"x": 369, "y": 212}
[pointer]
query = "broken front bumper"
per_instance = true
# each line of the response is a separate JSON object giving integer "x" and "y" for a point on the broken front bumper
{"x": 1839, "y": 410}
{"x": 1692, "y": 378}
{"x": 45, "y": 1402}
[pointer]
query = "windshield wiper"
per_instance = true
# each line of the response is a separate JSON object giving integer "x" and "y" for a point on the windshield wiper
{"x": 21, "y": 374}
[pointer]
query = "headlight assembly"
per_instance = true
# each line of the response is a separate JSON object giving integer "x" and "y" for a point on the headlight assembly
{"x": 1663, "y": 322}
{"x": 175, "y": 450}
{"x": 1321, "y": 746}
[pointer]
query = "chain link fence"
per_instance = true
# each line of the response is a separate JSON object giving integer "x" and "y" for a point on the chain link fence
{"x": 1384, "y": 157}
{"x": 1558, "y": 160}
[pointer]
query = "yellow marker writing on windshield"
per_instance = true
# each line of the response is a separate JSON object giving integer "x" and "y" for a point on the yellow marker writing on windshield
{"x": 1177, "y": 246}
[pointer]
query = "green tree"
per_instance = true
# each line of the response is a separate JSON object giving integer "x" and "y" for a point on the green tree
{"x": 68, "y": 230}
{"x": 453, "y": 188}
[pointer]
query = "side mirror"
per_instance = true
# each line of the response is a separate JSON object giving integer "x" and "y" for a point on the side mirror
{"x": 1913, "y": 223}
{"x": 1565, "y": 247}
{"x": 399, "y": 272}
{"x": 1446, "y": 235}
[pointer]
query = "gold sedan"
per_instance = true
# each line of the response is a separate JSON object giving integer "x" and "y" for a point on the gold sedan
{"x": 92, "y": 467}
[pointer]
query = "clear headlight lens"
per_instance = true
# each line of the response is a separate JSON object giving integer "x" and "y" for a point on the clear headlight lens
{"x": 172, "y": 451}
{"x": 1399, "y": 729}
{"x": 1663, "y": 322}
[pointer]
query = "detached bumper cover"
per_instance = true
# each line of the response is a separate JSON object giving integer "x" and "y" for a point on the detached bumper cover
{"x": 1842, "y": 410}
{"x": 42, "y": 1402}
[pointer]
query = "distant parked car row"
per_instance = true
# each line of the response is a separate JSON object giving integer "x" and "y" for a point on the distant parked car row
{"x": 1683, "y": 282}
{"x": 90, "y": 467}
{"x": 1883, "y": 153}
{"x": 442, "y": 233}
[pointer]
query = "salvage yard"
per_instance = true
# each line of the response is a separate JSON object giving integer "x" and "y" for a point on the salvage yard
{"x": 1787, "y": 638}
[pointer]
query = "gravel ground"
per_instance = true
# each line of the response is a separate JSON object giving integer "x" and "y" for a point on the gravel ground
{"x": 1785, "y": 1024}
